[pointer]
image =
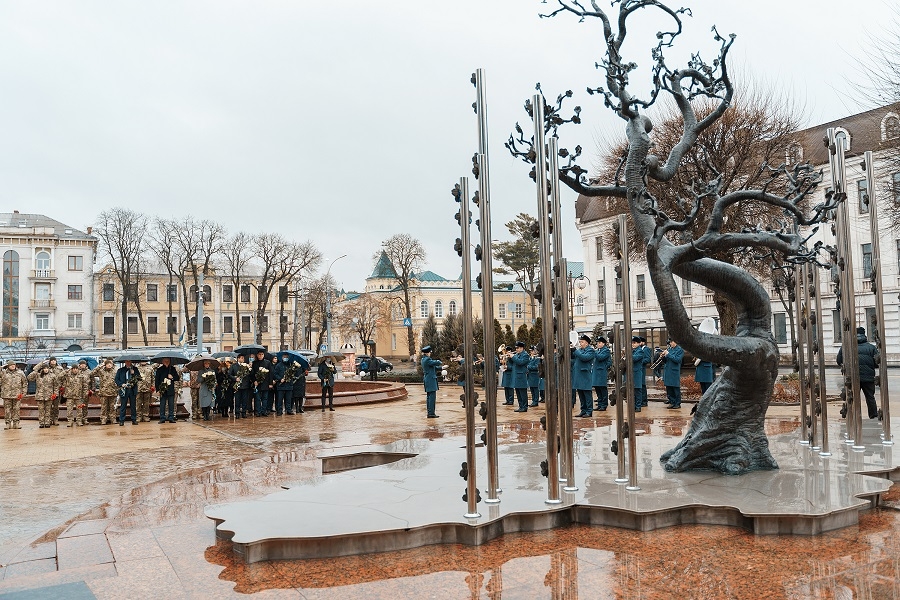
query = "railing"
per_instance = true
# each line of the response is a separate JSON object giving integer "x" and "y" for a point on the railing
{"x": 43, "y": 304}
{"x": 43, "y": 274}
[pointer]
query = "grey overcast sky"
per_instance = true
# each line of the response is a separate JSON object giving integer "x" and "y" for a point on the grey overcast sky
{"x": 342, "y": 122}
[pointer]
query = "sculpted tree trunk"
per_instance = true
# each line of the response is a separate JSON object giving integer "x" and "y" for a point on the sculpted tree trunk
{"x": 727, "y": 432}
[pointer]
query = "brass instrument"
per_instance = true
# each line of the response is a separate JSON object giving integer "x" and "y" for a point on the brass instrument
{"x": 660, "y": 360}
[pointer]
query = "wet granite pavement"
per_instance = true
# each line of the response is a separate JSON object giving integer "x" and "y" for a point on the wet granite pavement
{"x": 131, "y": 524}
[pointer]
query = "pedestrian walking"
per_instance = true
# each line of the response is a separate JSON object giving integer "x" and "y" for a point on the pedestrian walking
{"x": 868, "y": 360}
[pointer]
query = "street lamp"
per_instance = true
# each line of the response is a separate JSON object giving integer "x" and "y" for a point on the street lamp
{"x": 328, "y": 305}
{"x": 580, "y": 282}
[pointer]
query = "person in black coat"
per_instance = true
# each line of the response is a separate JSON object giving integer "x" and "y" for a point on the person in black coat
{"x": 298, "y": 394}
{"x": 262, "y": 381}
{"x": 284, "y": 386}
{"x": 868, "y": 358}
{"x": 127, "y": 378}
{"x": 242, "y": 386}
{"x": 169, "y": 374}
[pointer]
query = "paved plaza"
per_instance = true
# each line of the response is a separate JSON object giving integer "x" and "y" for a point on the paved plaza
{"x": 120, "y": 512}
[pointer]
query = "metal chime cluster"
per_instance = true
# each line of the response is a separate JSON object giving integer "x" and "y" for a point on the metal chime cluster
{"x": 559, "y": 466}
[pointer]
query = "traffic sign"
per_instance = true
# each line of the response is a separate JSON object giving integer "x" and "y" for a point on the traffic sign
{"x": 407, "y": 322}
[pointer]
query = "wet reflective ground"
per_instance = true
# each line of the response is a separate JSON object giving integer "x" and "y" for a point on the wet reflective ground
{"x": 122, "y": 510}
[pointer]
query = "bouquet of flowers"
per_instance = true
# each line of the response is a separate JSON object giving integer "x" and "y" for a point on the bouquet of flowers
{"x": 130, "y": 383}
{"x": 243, "y": 369}
{"x": 261, "y": 374}
{"x": 293, "y": 372}
{"x": 208, "y": 378}
{"x": 164, "y": 386}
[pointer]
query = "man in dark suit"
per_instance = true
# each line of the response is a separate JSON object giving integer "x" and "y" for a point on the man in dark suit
{"x": 262, "y": 381}
{"x": 168, "y": 373}
{"x": 127, "y": 378}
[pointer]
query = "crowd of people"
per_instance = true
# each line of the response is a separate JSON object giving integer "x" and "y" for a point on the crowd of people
{"x": 241, "y": 386}
{"x": 521, "y": 372}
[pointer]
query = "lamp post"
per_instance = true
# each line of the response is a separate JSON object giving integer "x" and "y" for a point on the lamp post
{"x": 582, "y": 282}
{"x": 328, "y": 305}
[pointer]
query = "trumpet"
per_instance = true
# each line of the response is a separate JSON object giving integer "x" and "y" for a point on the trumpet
{"x": 659, "y": 361}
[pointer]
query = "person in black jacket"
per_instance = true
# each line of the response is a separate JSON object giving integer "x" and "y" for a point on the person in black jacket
{"x": 168, "y": 373}
{"x": 262, "y": 381}
{"x": 242, "y": 385}
{"x": 868, "y": 358}
{"x": 298, "y": 393}
{"x": 284, "y": 386}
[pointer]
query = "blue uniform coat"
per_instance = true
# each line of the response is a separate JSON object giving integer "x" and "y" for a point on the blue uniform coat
{"x": 582, "y": 363}
{"x": 704, "y": 372}
{"x": 519, "y": 362}
{"x": 672, "y": 370}
{"x": 534, "y": 367}
{"x": 600, "y": 372}
{"x": 429, "y": 368}
{"x": 506, "y": 378}
{"x": 638, "y": 359}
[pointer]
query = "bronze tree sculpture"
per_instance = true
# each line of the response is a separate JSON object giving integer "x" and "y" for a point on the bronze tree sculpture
{"x": 727, "y": 433}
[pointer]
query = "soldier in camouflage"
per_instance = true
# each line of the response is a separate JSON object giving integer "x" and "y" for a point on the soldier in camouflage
{"x": 107, "y": 390}
{"x": 13, "y": 386}
{"x": 145, "y": 390}
{"x": 78, "y": 386}
{"x": 59, "y": 372}
{"x": 195, "y": 395}
{"x": 47, "y": 391}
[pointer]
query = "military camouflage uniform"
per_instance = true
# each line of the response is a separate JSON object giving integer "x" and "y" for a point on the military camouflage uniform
{"x": 107, "y": 390}
{"x": 145, "y": 391}
{"x": 60, "y": 374}
{"x": 46, "y": 392}
{"x": 78, "y": 384}
{"x": 195, "y": 395}
{"x": 13, "y": 386}
{"x": 179, "y": 385}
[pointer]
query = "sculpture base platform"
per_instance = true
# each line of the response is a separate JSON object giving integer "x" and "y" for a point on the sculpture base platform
{"x": 388, "y": 498}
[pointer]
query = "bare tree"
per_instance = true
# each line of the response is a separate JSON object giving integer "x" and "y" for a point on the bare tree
{"x": 281, "y": 261}
{"x": 162, "y": 241}
{"x": 122, "y": 242}
{"x": 236, "y": 254}
{"x": 520, "y": 257}
{"x": 727, "y": 432}
{"x": 198, "y": 242}
{"x": 361, "y": 315}
{"x": 315, "y": 301}
{"x": 406, "y": 256}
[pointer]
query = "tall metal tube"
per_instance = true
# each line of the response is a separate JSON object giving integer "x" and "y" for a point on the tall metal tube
{"x": 200, "y": 299}
{"x": 560, "y": 271}
{"x": 848, "y": 295}
{"x": 621, "y": 354}
{"x": 811, "y": 388}
{"x": 878, "y": 331}
{"x": 800, "y": 342}
{"x": 629, "y": 373}
{"x": 546, "y": 277}
{"x": 468, "y": 348}
{"x": 487, "y": 289}
{"x": 820, "y": 333}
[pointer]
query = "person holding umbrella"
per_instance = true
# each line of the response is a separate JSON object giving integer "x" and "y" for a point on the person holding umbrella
{"x": 206, "y": 376}
{"x": 261, "y": 375}
{"x": 166, "y": 377}
{"x": 283, "y": 377}
{"x": 242, "y": 383}
{"x": 127, "y": 378}
{"x": 326, "y": 372}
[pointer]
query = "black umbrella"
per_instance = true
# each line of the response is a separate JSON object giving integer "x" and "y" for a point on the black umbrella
{"x": 249, "y": 349}
{"x": 224, "y": 355}
{"x": 175, "y": 356}
{"x": 133, "y": 357}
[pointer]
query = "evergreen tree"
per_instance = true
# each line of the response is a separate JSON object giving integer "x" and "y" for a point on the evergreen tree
{"x": 598, "y": 331}
{"x": 451, "y": 337}
{"x": 430, "y": 335}
{"x": 523, "y": 334}
{"x": 508, "y": 337}
{"x": 499, "y": 336}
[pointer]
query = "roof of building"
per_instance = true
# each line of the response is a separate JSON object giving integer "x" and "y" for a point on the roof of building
{"x": 19, "y": 220}
{"x": 576, "y": 268}
{"x": 428, "y": 277}
{"x": 865, "y": 130}
{"x": 383, "y": 268}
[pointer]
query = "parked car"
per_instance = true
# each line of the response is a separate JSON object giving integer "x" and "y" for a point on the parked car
{"x": 383, "y": 365}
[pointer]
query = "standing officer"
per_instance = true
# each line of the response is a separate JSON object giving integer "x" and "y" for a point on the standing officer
{"x": 534, "y": 376}
{"x": 506, "y": 376}
{"x": 166, "y": 381}
{"x": 78, "y": 385}
{"x": 582, "y": 363}
{"x": 429, "y": 370}
{"x": 648, "y": 359}
{"x": 672, "y": 373}
{"x": 107, "y": 390}
{"x": 194, "y": 385}
{"x": 145, "y": 390}
{"x": 703, "y": 374}
{"x": 519, "y": 362}
{"x": 600, "y": 372}
{"x": 57, "y": 371}
{"x": 45, "y": 392}
{"x": 127, "y": 378}
{"x": 13, "y": 387}
{"x": 638, "y": 361}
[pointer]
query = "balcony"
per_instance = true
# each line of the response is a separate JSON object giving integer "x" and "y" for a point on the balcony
{"x": 43, "y": 304}
{"x": 43, "y": 333}
{"x": 43, "y": 274}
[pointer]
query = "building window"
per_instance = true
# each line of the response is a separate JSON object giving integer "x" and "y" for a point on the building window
{"x": 836, "y": 326}
{"x": 42, "y": 263}
{"x": 245, "y": 293}
{"x": 451, "y": 308}
{"x": 245, "y": 324}
{"x": 132, "y": 325}
{"x": 172, "y": 293}
{"x": 131, "y": 292}
{"x": 42, "y": 291}
{"x": 501, "y": 311}
{"x": 172, "y": 325}
{"x": 780, "y": 328}
{"x": 685, "y": 287}
{"x": 152, "y": 325}
{"x": 228, "y": 325}
{"x": 423, "y": 309}
{"x": 895, "y": 182}
{"x": 868, "y": 325}
{"x": 867, "y": 260}
{"x": 393, "y": 341}
{"x": 601, "y": 292}
{"x": 598, "y": 242}
{"x": 109, "y": 292}
{"x": 75, "y": 320}
{"x": 76, "y": 263}
{"x": 75, "y": 292}
{"x": 109, "y": 325}
{"x": 207, "y": 325}
{"x": 42, "y": 321}
{"x": 517, "y": 310}
{"x": 264, "y": 324}
{"x": 152, "y": 292}
{"x": 890, "y": 127}
{"x": 579, "y": 305}
{"x": 438, "y": 309}
{"x": 794, "y": 154}
{"x": 282, "y": 294}
{"x": 227, "y": 293}
{"x": 641, "y": 288}
{"x": 862, "y": 193}
{"x": 618, "y": 289}
{"x": 10, "y": 315}
{"x": 283, "y": 323}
